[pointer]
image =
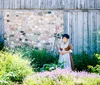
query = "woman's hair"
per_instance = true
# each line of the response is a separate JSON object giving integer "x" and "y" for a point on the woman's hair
{"x": 66, "y": 36}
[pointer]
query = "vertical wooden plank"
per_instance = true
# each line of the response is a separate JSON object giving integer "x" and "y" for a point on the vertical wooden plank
{"x": 80, "y": 21}
{"x": 10, "y": 4}
{"x": 69, "y": 24}
{"x": 65, "y": 3}
{"x": 6, "y": 4}
{"x": 28, "y": 4}
{"x": 92, "y": 3}
{"x": 49, "y": 4}
{"x": 60, "y": 4}
{"x": 85, "y": 4}
{"x": 42, "y": 4}
{"x": 89, "y": 31}
{"x": 79, "y": 4}
{"x": 72, "y": 4}
{"x": 82, "y": 4}
{"x": 65, "y": 22}
{"x": 72, "y": 30}
{"x": 1, "y": 24}
{"x": 82, "y": 29}
{"x": 90, "y": 20}
{"x": 1, "y": 4}
{"x": 85, "y": 30}
{"x": 35, "y": 4}
{"x": 76, "y": 32}
{"x": 76, "y": 4}
{"x": 55, "y": 4}
{"x": 93, "y": 31}
{"x": 69, "y": 4}
{"x": 98, "y": 31}
{"x": 89, "y": 4}
{"x": 39, "y": 3}
{"x": 13, "y": 4}
{"x": 76, "y": 26}
{"x": 73, "y": 33}
{"x": 97, "y": 4}
{"x": 45, "y": 4}
{"x": 22, "y": 4}
{"x": 16, "y": 4}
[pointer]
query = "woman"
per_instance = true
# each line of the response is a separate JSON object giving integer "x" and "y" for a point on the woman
{"x": 65, "y": 51}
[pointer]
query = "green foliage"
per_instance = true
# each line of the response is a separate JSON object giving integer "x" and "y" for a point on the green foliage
{"x": 42, "y": 60}
{"x": 81, "y": 61}
{"x": 24, "y": 51}
{"x": 37, "y": 57}
{"x": 13, "y": 68}
{"x": 95, "y": 69}
{"x": 52, "y": 66}
{"x": 48, "y": 67}
{"x": 41, "y": 57}
{"x": 1, "y": 45}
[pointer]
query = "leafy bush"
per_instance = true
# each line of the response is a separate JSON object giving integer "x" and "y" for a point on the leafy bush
{"x": 81, "y": 61}
{"x": 96, "y": 68}
{"x": 37, "y": 57}
{"x": 24, "y": 50}
{"x": 41, "y": 57}
{"x": 62, "y": 77}
{"x": 52, "y": 66}
{"x": 42, "y": 60}
{"x": 13, "y": 68}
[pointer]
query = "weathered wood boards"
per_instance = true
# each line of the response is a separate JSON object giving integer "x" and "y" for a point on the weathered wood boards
{"x": 84, "y": 29}
{"x": 49, "y": 4}
{"x": 1, "y": 25}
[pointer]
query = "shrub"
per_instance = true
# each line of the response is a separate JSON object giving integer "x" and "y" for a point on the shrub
{"x": 41, "y": 57}
{"x": 13, "y": 68}
{"x": 37, "y": 57}
{"x": 96, "y": 68}
{"x": 62, "y": 77}
{"x": 52, "y": 66}
{"x": 82, "y": 60}
{"x": 24, "y": 50}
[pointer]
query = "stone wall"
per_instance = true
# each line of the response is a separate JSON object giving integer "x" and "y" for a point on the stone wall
{"x": 35, "y": 28}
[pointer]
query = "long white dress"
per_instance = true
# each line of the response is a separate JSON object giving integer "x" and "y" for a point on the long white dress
{"x": 66, "y": 57}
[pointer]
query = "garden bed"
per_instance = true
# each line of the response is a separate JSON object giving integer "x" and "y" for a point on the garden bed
{"x": 63, "y": 77}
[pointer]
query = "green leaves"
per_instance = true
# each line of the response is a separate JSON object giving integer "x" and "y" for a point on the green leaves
{"x": 95, "y": 69}
{"x": 13, "y": 68}
{"x": 81, "y": 61}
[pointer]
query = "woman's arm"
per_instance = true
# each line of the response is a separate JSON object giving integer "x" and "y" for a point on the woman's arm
{"x": 70, "y": 49}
